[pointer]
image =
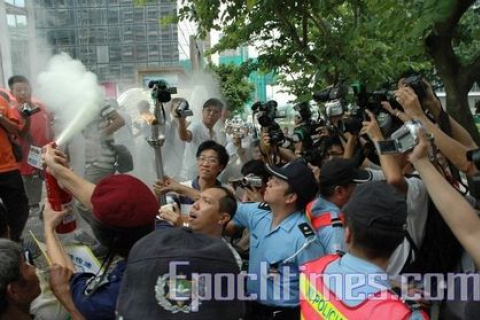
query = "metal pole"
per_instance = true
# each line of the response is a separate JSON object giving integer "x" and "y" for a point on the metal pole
{"x": 156, "y": 142}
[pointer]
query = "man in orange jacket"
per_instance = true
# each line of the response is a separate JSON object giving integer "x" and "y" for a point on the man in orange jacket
{"x": 12, "y": 192}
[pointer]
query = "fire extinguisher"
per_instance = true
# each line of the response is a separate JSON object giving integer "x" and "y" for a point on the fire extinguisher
{"x": 60, "y": 200}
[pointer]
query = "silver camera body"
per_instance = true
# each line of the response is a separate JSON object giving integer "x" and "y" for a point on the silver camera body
{"x": 183, "y": 110}
{"x": 334, "y": 108}
{"x": 402, "y": 140}
{"x": 247, "y": 181}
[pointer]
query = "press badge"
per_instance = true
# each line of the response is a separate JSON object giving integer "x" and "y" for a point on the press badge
{"x": 35, "y": 157}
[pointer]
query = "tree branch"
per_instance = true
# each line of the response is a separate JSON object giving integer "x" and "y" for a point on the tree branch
{"x": 450, "y": 23}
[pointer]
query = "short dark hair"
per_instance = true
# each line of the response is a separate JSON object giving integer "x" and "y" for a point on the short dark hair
{"x": 119, "y": 241}
{"x": 214, "y": 102}
{"x": 256, "y": 167}
{"x": 374, "y": 243}
{"x": 17, "y": 79}
{"x": 10, "y": 255}
{"x": 218, "y": 148}
{"x": 327, "y": 191}
{"x": 301, "y": 202}
{"x": 228, "y": 203}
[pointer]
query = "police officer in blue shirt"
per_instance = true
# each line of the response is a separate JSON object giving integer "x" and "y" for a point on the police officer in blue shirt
{"x": 281, "y": 239}
{"x": 337, "y": 183}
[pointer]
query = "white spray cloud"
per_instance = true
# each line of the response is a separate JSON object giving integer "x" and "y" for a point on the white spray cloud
{"x": 72, "y": 93}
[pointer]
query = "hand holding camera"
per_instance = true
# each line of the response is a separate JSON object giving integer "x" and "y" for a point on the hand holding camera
{"x": 402, "y": 140}
{"x": 371, "y": 128}
{"x": 170, "y": 213}
{"x": 183, "y": 110}
{"x": 409, "y": 101}
{"x": 28, "y": 110}
{"x": 421, "y": 149}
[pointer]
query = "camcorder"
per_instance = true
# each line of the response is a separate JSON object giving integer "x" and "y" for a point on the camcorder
{"x": 183, "y": 110}
{"x": 416, "y": 83}
{"x": 237, "y": 127}
{"x": 266, "y": 113}
{"x": 161, "y": 90}
{"x": 27, "y": 110}
{"x": 402, "y": 140}
{"x": 247, "y": 182}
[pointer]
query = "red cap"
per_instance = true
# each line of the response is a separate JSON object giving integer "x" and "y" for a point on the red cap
{"x": 124, "y": 201}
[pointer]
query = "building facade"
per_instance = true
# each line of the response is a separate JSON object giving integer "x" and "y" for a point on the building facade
{"x": 113, "y": 38}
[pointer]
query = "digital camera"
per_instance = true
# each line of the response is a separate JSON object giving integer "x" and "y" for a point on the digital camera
{"x": 27, "y": 110}
{"x": 402, "y": 140}
{"x": 183, "y": 110}
{"x": 247, "y": 182}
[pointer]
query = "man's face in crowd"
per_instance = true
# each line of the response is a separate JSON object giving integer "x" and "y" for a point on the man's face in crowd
{"x": 256, "y": 153}
{"x": 335, "y": 151}
{"x": 276, "y": 192}
{"x": 22, "y": 92}
{"x": 205, "y": 216}
{"x": 28, "y": 287}
{"x": 210, "y": 115}
{"x": 208, "y": 165}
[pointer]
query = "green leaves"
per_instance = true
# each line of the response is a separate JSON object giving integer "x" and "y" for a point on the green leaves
{"x": 234, "y": 85}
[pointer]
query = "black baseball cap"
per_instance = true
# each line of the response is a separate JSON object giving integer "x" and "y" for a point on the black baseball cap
{"x": 298, "y": 176}
{"x": 339, "y": 171}
{"x": 379, "y": 206}
{"x": 166, "y": 278}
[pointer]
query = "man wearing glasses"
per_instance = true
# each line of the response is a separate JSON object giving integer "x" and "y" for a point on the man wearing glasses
{"x": 196, "y": 133}
{"x": 212, "y": 158}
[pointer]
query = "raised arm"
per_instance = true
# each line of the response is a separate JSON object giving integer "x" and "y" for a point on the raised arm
{"x": 455, "y": 210}
{"x": 57, "y": 165}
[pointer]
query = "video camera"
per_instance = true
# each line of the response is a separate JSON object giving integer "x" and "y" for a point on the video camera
{"x": 416, "y": 83}
{"x": 183, "y": 110}
{"x": 266, "y": 113}
{"x": 27, "y": 110}
{"x": 247, "y": 182}
{"x": 402, "y": 140}
{"x": 161, "y": 90}
{"x": 238, "y": 127}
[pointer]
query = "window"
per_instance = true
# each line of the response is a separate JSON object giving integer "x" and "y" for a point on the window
{"x": 128, "y": 34}
{"x": 115, "y": 70}
{"x": 139, "y": 15}
{"x": 152, "y": 32}
{"x": 153, "y": 53}
{"x": 100, "y": 35}
{"x": 139, "y": 34}
{"x": 127, "y": 15}
{"x": 63, "y": 18}
{"x": 115, "y": 54}
{"x": 61, "y": 37}
{"x": 114, "y": 35}
{"x": 152, "y": 15}
{"x": 141, "y": 53}
{"x": 113, "y": 16}
{"x": 127, "y": 53}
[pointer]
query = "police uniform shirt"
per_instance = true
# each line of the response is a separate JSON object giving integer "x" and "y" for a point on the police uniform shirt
{"x": 332, "y": 238}
{"x": 276, "y": 255}
{"x": 101, "y": 304}
{"x": 356, "y": 278}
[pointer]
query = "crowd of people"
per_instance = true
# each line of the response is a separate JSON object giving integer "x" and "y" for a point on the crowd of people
{"x": 323, "y": 223}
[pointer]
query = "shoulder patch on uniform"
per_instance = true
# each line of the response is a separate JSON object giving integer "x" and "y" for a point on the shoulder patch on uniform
{"x": 264, "y": 206}
{"x": 306, "y": 230}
